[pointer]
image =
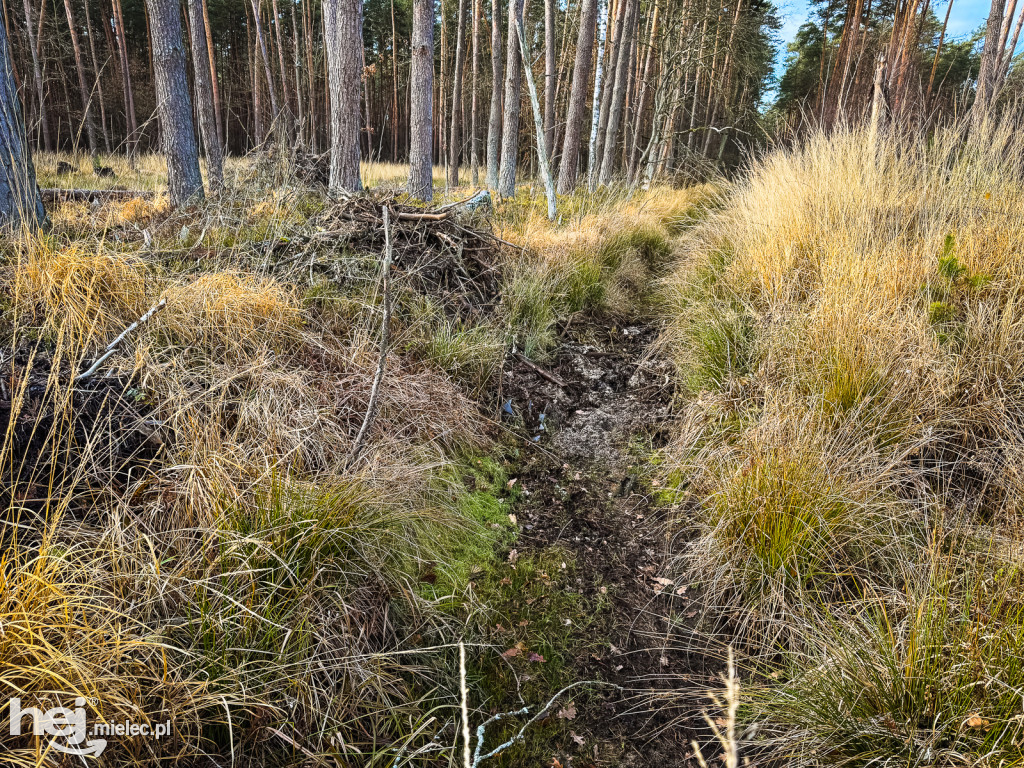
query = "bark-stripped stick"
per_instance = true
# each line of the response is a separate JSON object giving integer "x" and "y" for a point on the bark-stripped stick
{"x": 385, "y": 336}
{"x": 112, "y": 346}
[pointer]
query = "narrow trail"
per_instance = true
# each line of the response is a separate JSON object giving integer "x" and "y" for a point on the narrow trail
{"x": 588, "y": 489}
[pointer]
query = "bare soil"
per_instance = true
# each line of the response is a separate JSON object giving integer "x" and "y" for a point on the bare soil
{"x": 588, "y": 489}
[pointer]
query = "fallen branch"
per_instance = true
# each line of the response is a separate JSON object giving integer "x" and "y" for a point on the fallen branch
{"x": 385, "y": 337}
{"x": 112, "y": 346}
{"x": 56, "y": 195}
{"x": 539, "y": 371}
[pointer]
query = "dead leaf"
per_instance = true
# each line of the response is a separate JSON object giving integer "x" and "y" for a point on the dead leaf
{"x": 567, "y": 713}
{"x": 536, "y": 657}
{"x": 577, "y": 738}
{"x": 977, "y": 721}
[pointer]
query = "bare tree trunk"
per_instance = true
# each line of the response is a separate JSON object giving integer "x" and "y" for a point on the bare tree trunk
{"x": 213, "y": 67}
{"x": 126, "y": 82}
{"x": 619, "y": 97}
{"x": 538, "y": 124}
{"x": 184, "y": 181}
{"x": 421, "y": 90}
{"x": 609, "y": 88}
{"x": 394, "y": 86}
{"x": 513, "y": 87}
{"x": 494, "y": 121}
{"x": 595, "y": 118}
{"x": 634, "y": 149}
{"x": 83, "y": 86}
{"x": 343, "y": 38}
{"x": 455, "y": 142}
{"x": 203, "y": 79}
{"x": 568, "y": 169}
{"x": 20, "y": 203}
{"x": 37, "y": 74}
{"x": 285, "y": 88}
{"x": 474, "y": 149}
{"x": 549, "y": 78}
{"x": 97, "y": 80}
{"x": 261, "y": 43}
{"x": 300, "y": 118}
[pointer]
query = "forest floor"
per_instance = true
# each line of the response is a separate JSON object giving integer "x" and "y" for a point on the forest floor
{"x": 594, "y": 420}
{"x": 780, "y": 416}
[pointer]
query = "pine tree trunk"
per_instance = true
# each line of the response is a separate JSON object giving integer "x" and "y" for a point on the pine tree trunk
{"x": 619, "y": 95}
{"x": 988, "y": 85}
{"x": 474, "y": 149}
{"x": 174, "y": 106}
{"x": 20, "y": 203}
{"x": 343, "y": 33}
{"x": 494, "y": 121}
{"x": 204, "y": 96}
{"x": 286, "y": 89}
{"x": 261, "y": 41}
{"x": 421, "y": 92}
{"x": 37, "y": 76}
{"x": 513, "y": 88}
{"x": 455, "y": 142}
{"x": 97, "y": 80}
{"x": 83, "y": 86}
{"x": 126, "y": 82}
{"x": 595, "y": 118}
{"x": 609, "y": 90}
{"x": 538, "y": 126}
{"x": 568, "y": 170}
{"x": 549, "y": 78}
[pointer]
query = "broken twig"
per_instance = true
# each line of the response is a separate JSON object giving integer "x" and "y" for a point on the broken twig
{"x": 539, "y": 371}
{"x": 112, "y": 346}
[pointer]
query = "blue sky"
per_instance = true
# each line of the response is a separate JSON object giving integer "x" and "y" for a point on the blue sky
{"x": 967, "y": 16}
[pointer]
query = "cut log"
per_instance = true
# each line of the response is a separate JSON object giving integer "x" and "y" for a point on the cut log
{"x": 54, "y": 195}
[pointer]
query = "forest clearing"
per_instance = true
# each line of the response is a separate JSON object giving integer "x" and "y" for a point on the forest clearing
{"x": 433, "y": 383}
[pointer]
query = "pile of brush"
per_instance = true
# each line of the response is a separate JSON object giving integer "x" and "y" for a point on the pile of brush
{"x": 442, "y": 252}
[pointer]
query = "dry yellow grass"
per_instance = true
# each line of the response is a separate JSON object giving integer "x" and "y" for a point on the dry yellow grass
{"x": 849, "y": 330}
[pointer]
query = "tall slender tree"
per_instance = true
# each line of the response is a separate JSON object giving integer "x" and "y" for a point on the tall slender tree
{"x": 184, "y": 182}
{"x": 569, "y": 164}
{"x": 343, "y": 39}
{"x": 83, "y": 85}
{"x": 203, "y": 79}
{"x": 513, "y": 87}
{"x": 474, "y": 150}
{"x": 455, "y": 142}
{"x": 20, "y": 203}
{"x": 421, "y": 94}
{"x": 494, "y": 121}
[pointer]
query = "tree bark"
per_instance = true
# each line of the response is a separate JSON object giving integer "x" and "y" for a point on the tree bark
{"x": 20, "y": 203}
{"x": 343, "y": 32}
{"x": 619, "y": 96}
{"x": 97, "y": 80}
{"x": 174, "y": 106}
{"x": 126, "y": 82}
{"x": 595, "y": 118}
{"x": 455, "y": 141}
{"x": 474, "y": 149}
{"x": 538, "y": 125}
{"x": 513, "y": 88}
{"x": 203, "y": 80}
{"x": 421, "y": 90}
{"x": 549, "y": 78}
{"x": 494, "y": 120}
{"x": 261, "y": 43}
{"x": 37, "y": 75}
{"x": 83, "y": 86}
{"x": 568, "y": 169}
